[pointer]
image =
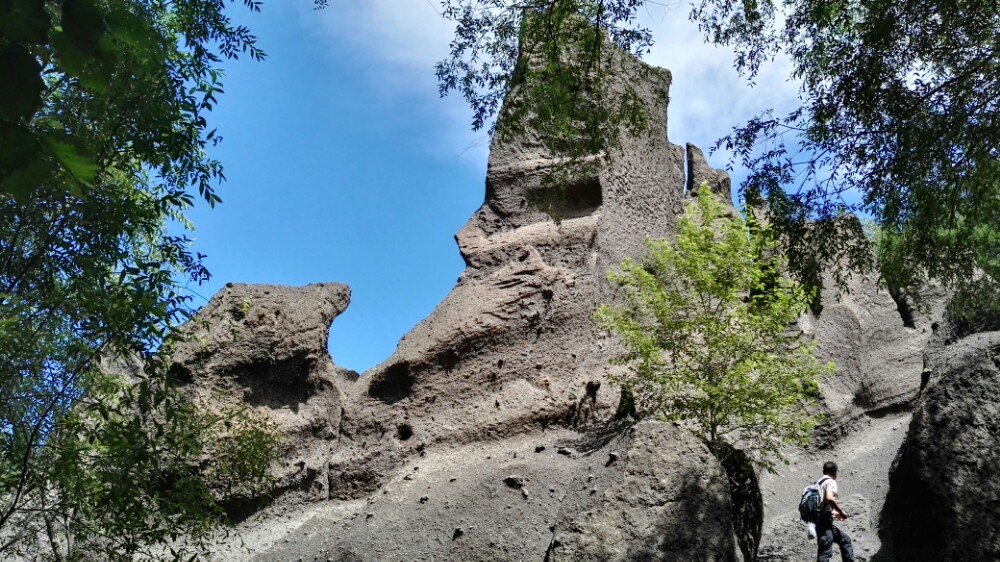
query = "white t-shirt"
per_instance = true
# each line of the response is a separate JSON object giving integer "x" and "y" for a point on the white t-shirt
{"x": 826, "y": 486}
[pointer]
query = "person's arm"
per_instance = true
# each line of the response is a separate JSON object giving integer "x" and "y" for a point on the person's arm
{"x": 832, "y": 502}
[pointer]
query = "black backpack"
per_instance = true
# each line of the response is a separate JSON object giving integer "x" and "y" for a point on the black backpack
{"x": 811, "y": 502}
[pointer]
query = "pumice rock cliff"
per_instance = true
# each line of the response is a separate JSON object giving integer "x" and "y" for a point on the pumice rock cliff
{"x": 490, "y": 433}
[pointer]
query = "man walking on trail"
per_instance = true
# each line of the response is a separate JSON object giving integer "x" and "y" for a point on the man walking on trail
{"x": 826, "y": 532}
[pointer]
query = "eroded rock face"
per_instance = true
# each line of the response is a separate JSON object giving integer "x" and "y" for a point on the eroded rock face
{"x": 944, "y": 501}
{"x": 877, "y": 349}
{"x": 488, "y": 434}
{"x": 670, "y": 501}
{"x": 650, "y": 492}
{"x": 700, "y": 172}
{"x": 877, "y": 346}
{"x": 261, "y": 331}
{"x": 512, "y": 348}
{"x": 265, "y": 346}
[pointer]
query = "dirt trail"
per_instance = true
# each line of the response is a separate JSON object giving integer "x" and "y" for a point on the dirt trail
{"x": 864, "y": 457}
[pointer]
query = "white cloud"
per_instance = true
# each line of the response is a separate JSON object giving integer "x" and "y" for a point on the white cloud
{"x": 708, "y": 97}
{"x": 397, "y": 43}
{"x": 401, "y": 40}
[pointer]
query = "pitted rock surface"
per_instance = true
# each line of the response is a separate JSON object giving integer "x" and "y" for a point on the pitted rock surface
{"x": 246, "y": 328}
{"x": 944, "y": 502}
{"x": 265, "y": 346}
{"x": 700, "y": 172}
{"x": 512, "y": 348}
{"x": 877, "y": 350}
{"x": 506, "y": 382}
{"x": 657, "y": 508}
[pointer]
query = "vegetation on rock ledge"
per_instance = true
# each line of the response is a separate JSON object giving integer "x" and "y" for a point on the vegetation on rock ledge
{"x": 706, "y": 326}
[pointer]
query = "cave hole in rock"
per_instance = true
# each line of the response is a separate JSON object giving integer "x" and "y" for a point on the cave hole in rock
{"x": 277, "y": 385}
{"x": 903, "y": 307}
{"x": 394, "y": 384}
{"x": 404, "y": 431}
{"x": 747, "y": 501}
{"x": 568, "y": 198}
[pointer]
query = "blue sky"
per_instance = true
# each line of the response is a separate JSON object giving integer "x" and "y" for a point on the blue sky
{"x": 344, "y": 165}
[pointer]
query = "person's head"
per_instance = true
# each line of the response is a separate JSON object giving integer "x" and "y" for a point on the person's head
{"x": 830, "y": 469}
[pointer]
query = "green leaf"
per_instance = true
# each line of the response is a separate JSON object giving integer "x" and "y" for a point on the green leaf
{"x": 22, "y": 182}
{"x": 84, "y": 21}
{"x": 18, "y": 145}
{"x": 78, "y": 163}
{"x": 24, "y": 21}
{"x": 129, "y": 29}
{"x": 21, "y": 90}
{"x": 77, "y": 62}
{"x": 83, "y": 47}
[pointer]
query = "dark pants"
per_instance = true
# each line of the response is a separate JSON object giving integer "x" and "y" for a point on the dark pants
{"x": 827, "y": 534}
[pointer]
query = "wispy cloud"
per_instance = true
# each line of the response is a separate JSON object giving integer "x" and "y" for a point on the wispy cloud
{"x": 708, "y": 97}
{"x": 401, "y": 40}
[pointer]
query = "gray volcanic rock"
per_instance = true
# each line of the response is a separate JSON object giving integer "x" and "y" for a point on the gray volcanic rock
{"x": 671, "y": 502}
{"x": 877, "y": 348}
{"x": 246, "y": 328}
{"x": 512, "y": 348}
{"x": 944, "y": 501}
{"x": 652, "y": 492}
{"x": 700, "y": 172}
{"x": 265, "y": 346}
{"x": 488, "y": 434}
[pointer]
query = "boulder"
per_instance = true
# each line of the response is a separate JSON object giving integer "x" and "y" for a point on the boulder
{"x": 944, "y": 499}
{"x": 670, "y": 500}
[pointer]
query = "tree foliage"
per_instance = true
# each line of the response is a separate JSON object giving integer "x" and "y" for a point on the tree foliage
{"x": 705, "y": 324}
{"x": 555, "y": 65}
{"x": 103, "y": 145}
{"x": 898, "y": 116}
{"x": 898, "y": 120}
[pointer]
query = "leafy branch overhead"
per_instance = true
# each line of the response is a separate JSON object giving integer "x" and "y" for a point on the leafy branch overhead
{"x": 103, "y": 146}
{"x": 706, "y": 328}
{"x": 555, "y": 65}
{"x": 898, "y": 116}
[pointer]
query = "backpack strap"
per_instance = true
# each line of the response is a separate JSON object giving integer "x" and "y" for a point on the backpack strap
{"x": 822, "y": 494}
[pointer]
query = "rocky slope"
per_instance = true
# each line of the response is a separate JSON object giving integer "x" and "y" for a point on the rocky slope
{"x": 489, "y": 433}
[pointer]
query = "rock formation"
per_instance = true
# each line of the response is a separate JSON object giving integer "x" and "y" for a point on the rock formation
{"x": 490, "y": 433}
{"x": 866, "y": 406}
{"x": 265, "y": 347}
{"x": 944, "y": 500}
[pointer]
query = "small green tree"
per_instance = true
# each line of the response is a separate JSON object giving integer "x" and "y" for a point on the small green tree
{"x": 706, "y": 331}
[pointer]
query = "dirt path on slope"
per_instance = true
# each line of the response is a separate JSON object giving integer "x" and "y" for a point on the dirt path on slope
{"x": 864, "y": 457}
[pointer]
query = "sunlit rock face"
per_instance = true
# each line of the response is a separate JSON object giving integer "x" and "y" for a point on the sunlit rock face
{"x": 512, "y": 348}
{"x": 265, "y": 347}
{"x": 511, "y": 357}
{"x": 490, "y": 433}
{"x": 877, "y": 344}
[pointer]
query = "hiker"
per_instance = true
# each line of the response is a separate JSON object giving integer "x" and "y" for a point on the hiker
{"x": 826, "y": 532}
